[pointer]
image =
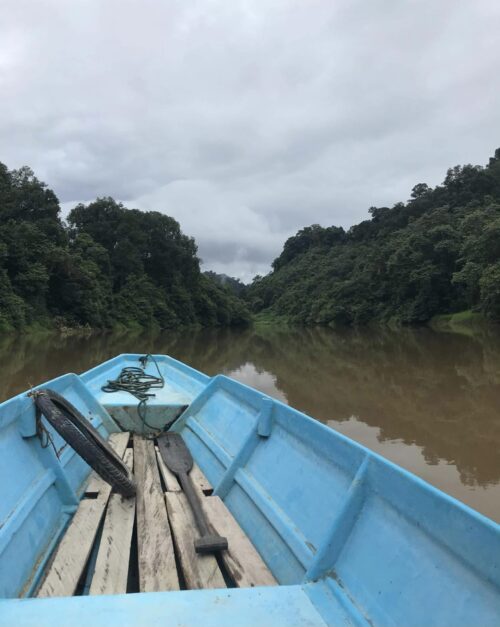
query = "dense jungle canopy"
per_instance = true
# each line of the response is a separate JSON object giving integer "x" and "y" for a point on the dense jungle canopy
{"x": 107, "y": 266}
{"x": 437, "y": 253}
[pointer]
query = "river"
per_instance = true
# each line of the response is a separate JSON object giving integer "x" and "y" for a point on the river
{"x": 428, "y": 401}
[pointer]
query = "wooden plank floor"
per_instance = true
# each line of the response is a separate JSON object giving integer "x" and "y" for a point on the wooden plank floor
{"x": 68, "y": 562}
{"x": 113, "y": 557}
{"x": 242, "y": 560}
{"x": 157, "y": 569}
{"x": 115, "y": 545}
{"x": 200, "y": 571}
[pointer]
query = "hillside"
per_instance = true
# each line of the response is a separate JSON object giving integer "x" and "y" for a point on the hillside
{"x": 108, "y": 266}
{"x": 437, "y": 253}
{"x": 235, "y": 286}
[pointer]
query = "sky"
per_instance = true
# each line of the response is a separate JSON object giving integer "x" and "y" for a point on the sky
{"x": 247, "y": 120}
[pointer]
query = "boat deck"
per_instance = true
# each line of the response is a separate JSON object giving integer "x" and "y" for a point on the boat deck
{"x": 145, "y": 544}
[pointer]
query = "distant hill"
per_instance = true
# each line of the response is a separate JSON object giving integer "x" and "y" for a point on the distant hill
{"x": 108, "y": 266}
{"x": 437, "y": 253}
{"x": 234, "y": 285}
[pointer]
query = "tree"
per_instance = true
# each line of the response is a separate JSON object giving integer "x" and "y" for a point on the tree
{"x": 490, "y": 291}
{"x": 110, "y": 265}
{"x": 436, "y": 253}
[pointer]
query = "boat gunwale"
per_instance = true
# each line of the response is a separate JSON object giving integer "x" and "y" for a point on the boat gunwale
{"x": 362, "y": 449}
{"x": 285, "y": 418}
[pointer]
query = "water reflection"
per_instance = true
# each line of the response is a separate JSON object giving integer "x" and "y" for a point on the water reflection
{"x": 259, "y": 379}
{"x": 429, "y": 401}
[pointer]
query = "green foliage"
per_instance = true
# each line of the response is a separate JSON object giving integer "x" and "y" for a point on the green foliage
{"x": 309, "y": 237}
{"x": 235, "y": 286}
{"x": 490, "y": 291}
{"x": 110, "y": 266}
{"x": 437, "y": 253}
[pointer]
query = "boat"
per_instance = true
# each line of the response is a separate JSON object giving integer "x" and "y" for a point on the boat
{"x": 321, "y": 530}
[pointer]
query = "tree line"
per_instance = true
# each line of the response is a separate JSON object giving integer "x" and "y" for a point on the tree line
{"x": 437, "y": 253}
{"x": 106, "y": 266}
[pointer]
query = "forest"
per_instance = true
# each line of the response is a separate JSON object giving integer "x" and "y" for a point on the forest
{"x": 437, "y": 253}
{"x": 106, "y": 267}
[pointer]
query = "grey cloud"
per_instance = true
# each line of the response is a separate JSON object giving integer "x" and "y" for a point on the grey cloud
{"x": 247, "y": 121}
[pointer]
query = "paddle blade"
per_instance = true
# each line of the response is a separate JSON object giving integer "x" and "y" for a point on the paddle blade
{"x": 175, "y": 453}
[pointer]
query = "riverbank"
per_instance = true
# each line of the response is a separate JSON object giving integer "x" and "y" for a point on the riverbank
{"x": 464, "y": 322}
{"x": 133, "y": 328}
{"x": 467, "y": 322}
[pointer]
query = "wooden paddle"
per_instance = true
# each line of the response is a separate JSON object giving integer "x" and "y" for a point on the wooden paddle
{"x": 178, "y": 459}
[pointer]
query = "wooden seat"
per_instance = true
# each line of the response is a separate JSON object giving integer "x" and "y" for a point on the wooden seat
{"x": 101, "y": 548}
{"x": 112, "y": 564}
{"x": 199, "y": 571}
{"x": 70, "y": 558}
{"x": 242, "y": 560}
{"x": 157, "y": 570}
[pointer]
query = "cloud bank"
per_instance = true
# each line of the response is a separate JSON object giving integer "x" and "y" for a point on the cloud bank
{"x": 247, "y": 120}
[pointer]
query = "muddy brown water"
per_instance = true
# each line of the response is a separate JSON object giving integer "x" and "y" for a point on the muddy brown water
{"x": 428, "y": 401}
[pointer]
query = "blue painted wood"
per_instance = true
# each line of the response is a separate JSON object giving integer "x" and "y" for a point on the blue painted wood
{"x": 276, "y": 517}
{"x": 342, "y": 524}
{"x": 25, "y": 506}
{"x": 264, "y": 423}
{"x": 352, "y": 538}
{"x": 39, "y": 489}
{"x": 182, "y": 384}
{"x": 37, "y": 573}
{"x": 239, "y": 460}
{"x": 263, "y": 429}
{"x": 311, "y": 490}
{"x": 279, "y": 607}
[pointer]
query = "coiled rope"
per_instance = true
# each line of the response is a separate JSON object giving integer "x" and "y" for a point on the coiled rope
{"x": 137, "y": 382}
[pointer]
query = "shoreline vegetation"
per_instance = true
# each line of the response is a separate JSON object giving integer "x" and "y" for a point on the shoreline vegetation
{"x": 433, "y": 258}
{"x": 434, "y": 261}
{"x": 105, "y": 267}
{"x": 462, "y": 323}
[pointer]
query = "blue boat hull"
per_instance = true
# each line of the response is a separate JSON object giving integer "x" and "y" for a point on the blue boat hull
{"x": 351, "y": 538}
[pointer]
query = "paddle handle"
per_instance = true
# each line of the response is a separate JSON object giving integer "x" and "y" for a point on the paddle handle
{"x": 194, "y": 501}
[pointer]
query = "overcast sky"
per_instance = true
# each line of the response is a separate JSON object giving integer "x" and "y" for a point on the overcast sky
{"x": 247, "y": 120}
